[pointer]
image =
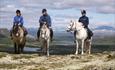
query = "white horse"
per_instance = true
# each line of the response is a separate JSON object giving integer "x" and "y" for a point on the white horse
{"x": 45, "y": 38}
{"x": 80, "y": 36}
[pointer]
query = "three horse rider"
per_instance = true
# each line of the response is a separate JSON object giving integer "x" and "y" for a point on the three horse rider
{"x": 18, "y": 20}
{"x": 45, "y": 19}
{"x": 85, "y": 20}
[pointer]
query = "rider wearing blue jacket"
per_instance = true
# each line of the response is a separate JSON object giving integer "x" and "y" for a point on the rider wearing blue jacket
{"x": 85, "y": 20}
{"x": 45, "y": 18}
{"x": 18, "y": 19}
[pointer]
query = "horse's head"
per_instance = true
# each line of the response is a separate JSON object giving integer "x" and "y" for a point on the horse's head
{"x": 74, "y": 25}
{"x": 43, "y": 31}
{"x": 71, "y": 26}
{"x": 16, "y": 30}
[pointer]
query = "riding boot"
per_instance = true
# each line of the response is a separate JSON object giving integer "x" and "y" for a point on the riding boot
{"x": 90, "y": 33}
{"x": 11, "y": 34}
{"x": 51, "y": 34}
{"x": 25, "y": 32}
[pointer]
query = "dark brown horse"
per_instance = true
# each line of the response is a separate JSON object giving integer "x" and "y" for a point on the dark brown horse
{"x": 19, "y": 39}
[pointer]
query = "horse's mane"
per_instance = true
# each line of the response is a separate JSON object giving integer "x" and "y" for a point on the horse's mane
{"x": 76, "y": 22}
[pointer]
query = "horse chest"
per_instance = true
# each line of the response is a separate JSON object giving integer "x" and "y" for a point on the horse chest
{"x": 82, "y": 34}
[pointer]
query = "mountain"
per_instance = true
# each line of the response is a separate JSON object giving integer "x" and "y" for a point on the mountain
{"x": 4, "y": 32}
{"x": 104, "y": 31}
{"x": 105, "y": 28}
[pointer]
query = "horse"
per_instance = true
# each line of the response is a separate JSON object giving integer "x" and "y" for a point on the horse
{"x": 45, "y": 38}
{"x": 80, "y": 36}
{"x": 18, "y": 38}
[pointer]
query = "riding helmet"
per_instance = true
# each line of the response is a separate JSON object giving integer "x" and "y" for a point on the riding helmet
{"x": 83, "y": 12}
{"x": 44, "y": 10}
{"x": 18, "y": 11}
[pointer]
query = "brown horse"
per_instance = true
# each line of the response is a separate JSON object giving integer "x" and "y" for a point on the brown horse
{"x": 19, "y": 39}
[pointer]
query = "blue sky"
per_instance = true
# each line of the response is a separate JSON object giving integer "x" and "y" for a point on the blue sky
{"x": 100, "y": 12}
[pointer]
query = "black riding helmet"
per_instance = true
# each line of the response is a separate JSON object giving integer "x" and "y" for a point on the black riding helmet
{"x": 18, "y": 11}
{"x": 83, "y": 12}
{"x": 44, "y": 10}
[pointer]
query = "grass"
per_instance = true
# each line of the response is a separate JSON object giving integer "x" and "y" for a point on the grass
{"x": 22, "y": 56}
{"x": 2, "y": 55}
{"x": 8, "y": 66}
{"x": 5, "y": 41}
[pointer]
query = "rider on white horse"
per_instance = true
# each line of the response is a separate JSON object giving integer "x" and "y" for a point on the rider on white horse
{"x": 85, "y": 20}
{"x": 45, "y": 18}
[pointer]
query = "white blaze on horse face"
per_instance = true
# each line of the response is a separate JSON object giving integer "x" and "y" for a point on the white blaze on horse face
{"x": 17, "y": 34}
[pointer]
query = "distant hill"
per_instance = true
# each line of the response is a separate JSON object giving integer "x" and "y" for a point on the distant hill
{"x": 99, "y": 32}
{"x": 4, "y": 32}
{"x": 105, "y": 28}
{"x": 103, "y": 31}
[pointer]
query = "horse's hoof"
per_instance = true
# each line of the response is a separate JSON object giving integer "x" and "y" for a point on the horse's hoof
{"x": 82, "y": 53}
{"x": 76, "y": 53}
{"x": 48, "y": 55}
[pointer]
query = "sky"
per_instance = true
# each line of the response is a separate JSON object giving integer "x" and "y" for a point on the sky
{"x": 100, "y": 12}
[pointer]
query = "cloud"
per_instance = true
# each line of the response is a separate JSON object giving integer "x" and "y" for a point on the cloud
{"x": 61, "y": 11}
{"x": 107, "y": 9}
{"x": 101, "y": 6}
{"x": 104, "y": 24}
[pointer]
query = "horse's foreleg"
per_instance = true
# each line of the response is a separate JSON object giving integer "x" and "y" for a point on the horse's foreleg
{"x": 77, "y": 46}
{"x": 90, "y": 45}
{"x": 19, "y": 49}
{"x": 47, "y": 48}
{"x": 86, "y": 45}
{"x": 82, "y": 46}
{"x": 15, "y": 48}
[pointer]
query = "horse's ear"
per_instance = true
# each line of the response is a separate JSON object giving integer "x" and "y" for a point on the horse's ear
{"x": 71, "y": 21}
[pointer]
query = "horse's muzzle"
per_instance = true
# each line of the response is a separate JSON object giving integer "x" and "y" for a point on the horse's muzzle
{"x": 68, "y": 30}
{"x": 17, "y": 34}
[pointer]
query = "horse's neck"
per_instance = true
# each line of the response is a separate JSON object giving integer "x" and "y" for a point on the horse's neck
{"x": 82, "y": 33}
